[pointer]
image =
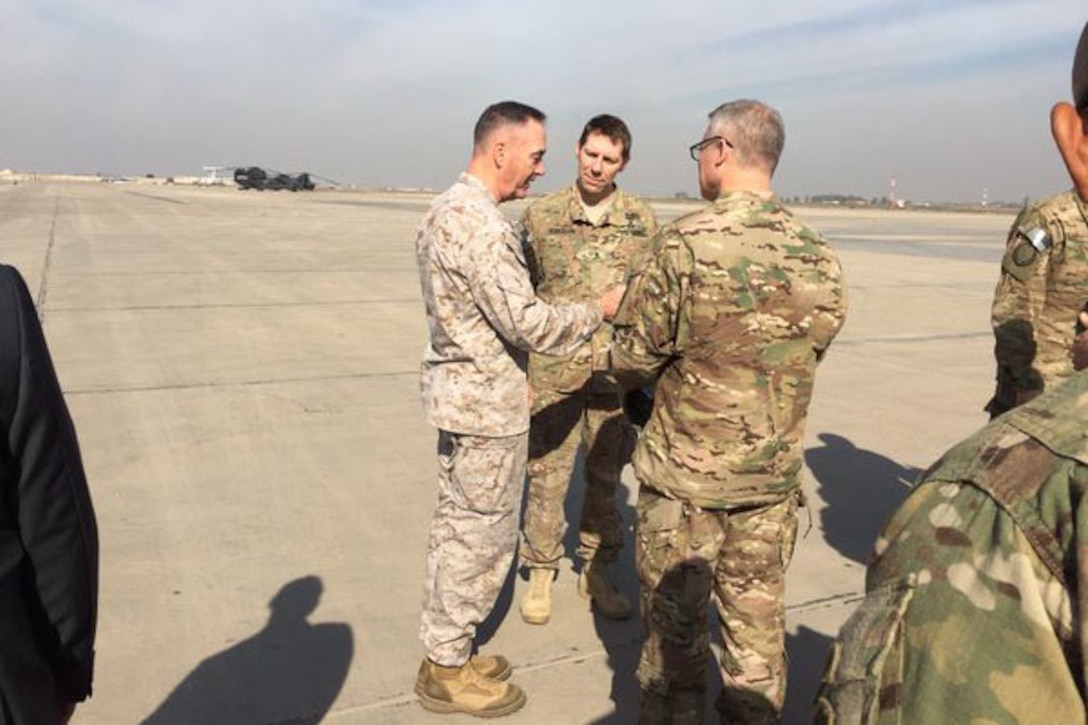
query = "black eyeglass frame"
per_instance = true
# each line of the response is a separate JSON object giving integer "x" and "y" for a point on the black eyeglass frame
{"x": 697, "y": 148}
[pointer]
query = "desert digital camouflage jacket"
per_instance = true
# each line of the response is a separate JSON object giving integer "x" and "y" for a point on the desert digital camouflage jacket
{"x": 733, "y": 311}
{"x": 977, "y": 601}
{"x": 573, "y": 260}
{"x": 483, "y": 316}
{"x": 1043, "y": 285}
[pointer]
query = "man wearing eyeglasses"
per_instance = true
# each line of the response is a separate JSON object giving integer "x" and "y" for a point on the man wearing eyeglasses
{"x": 729, "y": 318}
{"x": 580, "y": 241}
{"x": 483, "y": 317}
{"x": 1044, "y": 275}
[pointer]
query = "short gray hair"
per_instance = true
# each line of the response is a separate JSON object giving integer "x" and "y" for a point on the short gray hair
{"x": 754, "y": 130}
{"x": 506, "y": 113}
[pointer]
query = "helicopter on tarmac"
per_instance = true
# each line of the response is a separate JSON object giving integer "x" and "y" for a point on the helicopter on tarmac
{"x": 254, "y": 177}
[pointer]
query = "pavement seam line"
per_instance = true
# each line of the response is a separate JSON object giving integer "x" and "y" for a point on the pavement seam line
{"x": 238, "y": 383}
{"x": 236, "y": 305}
{"x": 43, "y": 285}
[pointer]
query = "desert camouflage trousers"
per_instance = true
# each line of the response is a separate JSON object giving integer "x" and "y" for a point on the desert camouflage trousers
{"x": 684, "y": 555}
{"x": 473, "y": 539}
{"x": 592, "y": 419}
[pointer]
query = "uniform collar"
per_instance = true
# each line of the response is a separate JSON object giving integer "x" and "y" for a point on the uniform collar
{"x": 744, "y": 195}
{"x": 613, "y": 216}
{"x": 476, "y": 184}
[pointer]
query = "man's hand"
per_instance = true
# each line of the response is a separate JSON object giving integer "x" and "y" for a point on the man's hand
{"x": 638, "y": 406}
{"x": 610, "y": 300}
{"x": 1080, "y": 344}
{"x": 1026, "y": 396}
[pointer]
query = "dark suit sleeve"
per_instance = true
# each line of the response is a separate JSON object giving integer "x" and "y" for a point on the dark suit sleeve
{"x": 56, "y": 521}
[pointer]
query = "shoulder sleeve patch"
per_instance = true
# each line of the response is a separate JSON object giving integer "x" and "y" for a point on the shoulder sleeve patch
{"x": 1026, "y": 248}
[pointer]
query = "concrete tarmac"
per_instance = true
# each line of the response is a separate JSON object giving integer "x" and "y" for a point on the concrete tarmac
{"x": 242, "y": 368}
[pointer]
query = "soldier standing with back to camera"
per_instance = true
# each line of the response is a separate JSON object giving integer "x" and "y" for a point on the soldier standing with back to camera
{"x": 1043, "y": 284}
{"x": 731, "y": 315}
{"x": 580, "y": 241}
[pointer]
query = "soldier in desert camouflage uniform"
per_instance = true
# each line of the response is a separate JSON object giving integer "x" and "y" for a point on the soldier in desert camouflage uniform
{"x": 483, "y": 317}
{"x": 1043, "y": 284}
{"x": 580, "y": 241}
{"x": 738, "y": 304}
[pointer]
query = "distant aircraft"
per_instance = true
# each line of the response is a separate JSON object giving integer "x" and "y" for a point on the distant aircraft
{"x": 254, "y": 177}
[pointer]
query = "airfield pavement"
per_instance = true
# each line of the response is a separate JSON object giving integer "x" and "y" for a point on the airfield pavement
{"x": 242, "y": 368}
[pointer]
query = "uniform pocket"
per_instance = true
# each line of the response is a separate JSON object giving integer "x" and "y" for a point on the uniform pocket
{"x": 864, "y": 676}
{"x": 486, "y": 474}
{"x": 657, "y": 530}
{"x": 658, "y": 513}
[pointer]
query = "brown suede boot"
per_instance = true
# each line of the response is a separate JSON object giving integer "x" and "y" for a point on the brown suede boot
{"x": 594, "y": 584}
{"x": 463, "y": 689}
{"x": 536, "y": 605}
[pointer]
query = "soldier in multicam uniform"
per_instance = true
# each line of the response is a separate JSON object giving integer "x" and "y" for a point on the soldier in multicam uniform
{"x": 976, "y": 598}
{"x": 483, "y": 316}
{"x": 579, "y": 242}
{"x": 1044, "y": 281}
{"x": 738, "y": 304}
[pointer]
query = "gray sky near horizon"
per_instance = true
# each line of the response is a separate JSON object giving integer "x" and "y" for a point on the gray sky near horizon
{"x": 951, "y": 97}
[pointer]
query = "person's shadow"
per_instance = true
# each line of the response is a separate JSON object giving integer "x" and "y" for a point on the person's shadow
{"x": 290, "y": 671}
{"x": 861, "y": 488}
{"x": 621, "y": 640}
{"x": 807, "y": 653}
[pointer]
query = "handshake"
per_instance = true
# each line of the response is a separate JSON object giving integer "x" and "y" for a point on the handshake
{"x": 638, "y": 404}
{"x": 610, "y": 301}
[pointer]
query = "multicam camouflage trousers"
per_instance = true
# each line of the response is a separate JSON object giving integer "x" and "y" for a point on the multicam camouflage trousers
{"x": 590, "y": 417}
{"x": 685, "y": 554}
{"x": 473, "y": 539}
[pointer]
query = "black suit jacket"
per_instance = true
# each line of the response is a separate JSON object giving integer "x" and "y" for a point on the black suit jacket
{"x": 48, "y": 536}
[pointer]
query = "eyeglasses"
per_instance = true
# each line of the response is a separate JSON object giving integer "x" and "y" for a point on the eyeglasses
{"x": 697, "y": 148}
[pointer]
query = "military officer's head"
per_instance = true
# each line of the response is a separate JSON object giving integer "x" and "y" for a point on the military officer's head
{"x": 603, "y": 151}
{"x": 509, "y": 143}
{"x": 740, "y": 148}
{"x": 1069, "y": 123}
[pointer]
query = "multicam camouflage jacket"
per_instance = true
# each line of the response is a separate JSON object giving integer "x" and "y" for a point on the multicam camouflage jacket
{"x": 733, "y": 311}
{"x": 977, "y": 600}
{"x": 483, "y": 316}
{"x": 1043, "y": 286}
{"x": 571, "y": 259}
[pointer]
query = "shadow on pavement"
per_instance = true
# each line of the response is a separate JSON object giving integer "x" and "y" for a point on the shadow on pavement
{"x": 807, "y": 654}
{"x": 487, "y": 628}
{"x": 861, "y": 489}
{"x": 620, "y": 639}
{"x": 290, "y": 671}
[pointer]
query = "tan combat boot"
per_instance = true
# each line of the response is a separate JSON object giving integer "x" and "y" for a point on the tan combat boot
{"x": 464, "y": 689}
{"x": 536, "y": 605}
{"x": 594, "y": 584}
{"x": 495, "y": 667}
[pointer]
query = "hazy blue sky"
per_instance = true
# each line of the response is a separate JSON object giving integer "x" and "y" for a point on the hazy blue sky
{"x": 950, "y": 97}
